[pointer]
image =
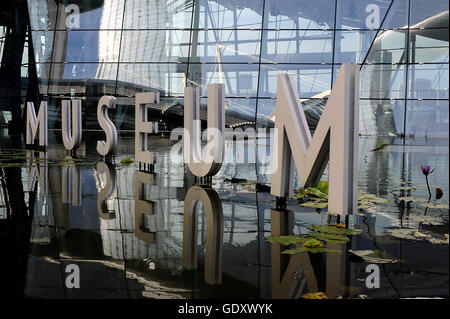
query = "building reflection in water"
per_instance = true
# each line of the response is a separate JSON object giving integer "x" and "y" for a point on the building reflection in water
{"x": 134, "y": 227}
{"x": 292, "y": 276}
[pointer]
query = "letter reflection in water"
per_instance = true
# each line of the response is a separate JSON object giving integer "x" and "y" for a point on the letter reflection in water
{"x": 37, "y": 171}
{"x": 73, "y": 172}
{"x": 214, "y": 232}
{"x": 106, "y": 190}
{"x": 296, "y": 275}
{"x": 293, "y": 276}
{"x": 144, "y": 207}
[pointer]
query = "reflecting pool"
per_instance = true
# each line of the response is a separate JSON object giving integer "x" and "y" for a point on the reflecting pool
{"x": 160, "y": 233}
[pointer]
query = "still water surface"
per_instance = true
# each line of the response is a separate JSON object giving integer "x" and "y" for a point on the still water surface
{"x": 131, "y": 235}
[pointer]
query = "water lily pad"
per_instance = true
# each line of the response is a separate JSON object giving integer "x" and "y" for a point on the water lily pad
{"x": 407, "y": 188}
{"x": 374, "y": 256}
{"x": 315, "y": 204}
{"x": 126, "y": 161}
{"x": 331, "y": 238}
{"x": 317, "y": 192}
{"x": 297, "y": 196}
{"x": 436, "y": 206}
{"x": 314, "y": 295}
{"x": 371, "y": 198}
{"x": 434, "y": 240}
{"x": 366, "y": 200}
{"x": 414, "y": 234}
{"x": 286, "y": 240}
{"x": 429, "y": 220}
{"x": 310, "y": 250}
{"x": 323, "y": 186}
{"x": 334, "y": 230}
{"x": 418, "y": 234}
{"x": 313, "y": 243}
{"x": 413, "y": 199}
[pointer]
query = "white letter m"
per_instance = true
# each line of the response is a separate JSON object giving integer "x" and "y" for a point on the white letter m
{"x": 335, "y": 140}
{"x": 33, "y": 123}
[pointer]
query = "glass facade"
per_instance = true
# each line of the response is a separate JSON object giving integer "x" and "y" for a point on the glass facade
{"x": 132, "y": 228}
{"x": 120, "y": 47}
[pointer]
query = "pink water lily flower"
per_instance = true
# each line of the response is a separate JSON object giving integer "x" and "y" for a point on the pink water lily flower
{"x": 426, "y": 170}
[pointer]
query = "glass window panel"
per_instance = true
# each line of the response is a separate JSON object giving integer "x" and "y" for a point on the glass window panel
{"x": 94, "y": 14}
{"x": 54, "y": 112}
{"x": 266, "y": 110}
{"x": 226, "y": 46}
{"x": 388, "y": 47}
{"x": 119, "y": 116}
{"x": 428, "y": 81}
{"x": 311, "y": 80}
{"x": 308, "y": 14}
{"x": 168, "y": 79}
{"x": 381, "y": 117}
{"x": 25, "y": 54}
{"x": 241, "y": 80}
{"x": 427, "y": 118}
{"x": 71, "y": 78}
{"x": 86, "y": 46}
{"x": 382, "y": 81}
{"x": 5, "y": 110}
{"x": 397, "y": 16}
{"x": 43, "y": 71}
{"x": 362, "y": 14}
{"x": 352, "y": 46}
{"x": 240, "y": 110}
{"x": 426, "y": 14}
{"x": 122, "y": 115}
{"x": 213, "y": 15}
{"x": 42, "y": 45}
{"x": 42, "y": 14}
{"x": 313, "y": 109}
{"x": 297, "y": 46}
{"x": 155, "y": 46}
{"x": 158, "y": 14}
{"x": 24, "y": 71}
{"x": 88, "y": 112}
{"x": 428, "y": 45}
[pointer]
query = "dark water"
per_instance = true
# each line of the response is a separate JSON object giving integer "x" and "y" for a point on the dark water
{"x": 128, "y": 232}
